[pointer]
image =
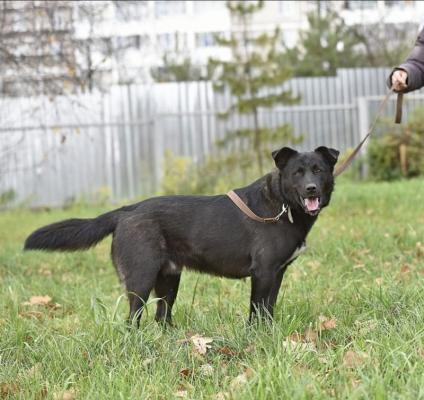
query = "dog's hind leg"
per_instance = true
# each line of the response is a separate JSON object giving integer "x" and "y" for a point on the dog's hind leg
{"x": 137, "y": 255}
{"x": 166, "y": 289}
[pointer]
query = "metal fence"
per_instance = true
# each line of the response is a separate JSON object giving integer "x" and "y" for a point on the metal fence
{"x": 53, "y": 151}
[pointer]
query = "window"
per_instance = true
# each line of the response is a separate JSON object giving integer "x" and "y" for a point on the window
{"x": 168, "y": 8}
{"x": 398, "y": 3}
{"x": 202, "y": 7}
{"x": 288, "y": 7}
{"x": 360, "y": 5}
{"x": 205, "y": 39}
{"x": 131, "y": 10}
{"x": 165, "y": 41}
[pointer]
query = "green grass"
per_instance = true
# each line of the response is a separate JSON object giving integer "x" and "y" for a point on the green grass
{"x": 364, "y": 267}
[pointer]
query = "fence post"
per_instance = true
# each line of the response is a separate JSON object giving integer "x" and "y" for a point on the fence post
{"x": 157, "y": 136}
{"x": 363, "y": 126}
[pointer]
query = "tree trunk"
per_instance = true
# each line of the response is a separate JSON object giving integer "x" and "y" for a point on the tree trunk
{"x": 257, "y": 145}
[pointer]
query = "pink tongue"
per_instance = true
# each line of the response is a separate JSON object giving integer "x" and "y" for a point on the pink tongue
{"x": 312, "y": 204}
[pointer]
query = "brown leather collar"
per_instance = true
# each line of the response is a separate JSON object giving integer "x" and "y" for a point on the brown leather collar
{"x": 243, "y": 207}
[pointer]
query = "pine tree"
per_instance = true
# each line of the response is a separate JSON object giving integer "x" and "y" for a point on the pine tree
{"x": 253, "y": 76}
{"x": 328, "y": 44}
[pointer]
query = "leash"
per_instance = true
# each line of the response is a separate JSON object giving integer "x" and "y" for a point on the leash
{"x": 339, "y": 168}
{"x": 346, "y": 163}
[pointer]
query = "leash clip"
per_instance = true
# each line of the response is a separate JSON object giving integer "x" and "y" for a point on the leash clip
{"x": 284, "y": 209}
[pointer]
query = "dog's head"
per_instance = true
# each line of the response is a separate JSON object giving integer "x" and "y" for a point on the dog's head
{"x": 307, "y": 178}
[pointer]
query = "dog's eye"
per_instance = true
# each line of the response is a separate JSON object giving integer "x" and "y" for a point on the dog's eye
{"x": 299, "y": 171}
{"x": 316, "y": 170}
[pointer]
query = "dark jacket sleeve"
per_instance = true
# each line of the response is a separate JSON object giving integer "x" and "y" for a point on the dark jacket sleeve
{"x": 414, "y": 66}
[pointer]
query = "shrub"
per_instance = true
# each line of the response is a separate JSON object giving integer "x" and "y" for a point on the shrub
{"x": 400, "y": 151}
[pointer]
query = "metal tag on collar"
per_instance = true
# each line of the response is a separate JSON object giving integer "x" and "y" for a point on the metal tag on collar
{"x": 289, "y": 214}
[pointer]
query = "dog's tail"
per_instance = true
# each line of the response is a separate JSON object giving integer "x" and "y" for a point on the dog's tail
{"x": 73, "y": 234}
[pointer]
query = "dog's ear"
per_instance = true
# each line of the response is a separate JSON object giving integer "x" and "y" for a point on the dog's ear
{"x": 330, "y": 155}
{"x": 282, "y": 156}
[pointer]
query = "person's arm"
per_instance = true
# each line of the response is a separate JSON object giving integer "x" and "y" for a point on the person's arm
{"x": 413, "y": 67}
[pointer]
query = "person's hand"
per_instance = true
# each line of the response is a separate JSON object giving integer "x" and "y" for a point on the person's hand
{"x": 399, "y": 80}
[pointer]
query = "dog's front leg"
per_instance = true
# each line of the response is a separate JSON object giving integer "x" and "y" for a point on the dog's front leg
{"x": 261, "y": 299}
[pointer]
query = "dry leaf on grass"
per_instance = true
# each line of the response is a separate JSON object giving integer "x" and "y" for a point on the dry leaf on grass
{"x": 405, "y": 269}
{"x": 206, "y": 369}
{"x": 65, "y": 395}
{"x": 326, "y": 323}
{"x": 241, "y": 379}
{"x": 226, "y": 351}
{"x": 367, "y": 326}
{"x": 379, "y": 281}
{"x": 147, "y": 361}
{"x": 311, "y": 335}
{"x": 293, "y": 345}
{"x": 250, "y": 349}
{"x": 31, "y": 314}
{"x": 45, "y": 271}
{"x": 353, "y": 359}
{"x": 221, "y": 396}
{"x": 41, "y": 301}
{"x": 297, "y": 337}
{"x": 8, "y": 389}
{"x": 38, "y": 301}
{"x": 181, "y": 394}
{"x": 200, "y": 343}
{"x": 420, "y": 249}
{"x": 185, "y": 372}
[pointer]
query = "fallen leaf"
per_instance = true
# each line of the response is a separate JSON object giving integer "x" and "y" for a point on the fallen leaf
{"x": 206, "y": 369}
{"x": 201, "y": 344}
{"x": 65, "y": 395}
{"x": 353, "y": 359}
{"x": 420, "y": 249}
{"x": 226, "y": 351}
{"x": 146, "y": 362}
{"x": 297, "y": 337}
{"x": 313, "y": 264}
{"x": 34, "y": 370}
{"x": 181, "y": 393}
{"x": 185, "y": 372}
{"x": 366, "y": 326}
{"x": 221, "y": 396}
{"x": 42, "y": 394}
{"x": 8, "y": 389}
{"x": 38, "y": 301}
{"x": 241, "y": 379}
{"x": 31, "y": 314}
{"x": 355, "y": 383}
{"x": 238, "y": 381}
{"x": 405, "y": 269}
{"x": 379, "y": 281}
{"x": 45, "y": 271}
{"x": 305, "y": 346}
{"x": 327, "y": 323}
{"x": 250, "y": 349}
{"x": 311, "y": 335}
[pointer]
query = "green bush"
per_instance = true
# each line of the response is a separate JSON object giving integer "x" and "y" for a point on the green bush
{"x": 217, "y": 174}
{"x": 399, "y": 152}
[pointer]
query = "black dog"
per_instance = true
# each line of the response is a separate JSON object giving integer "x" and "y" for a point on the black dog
{"x": 154, "y": 239}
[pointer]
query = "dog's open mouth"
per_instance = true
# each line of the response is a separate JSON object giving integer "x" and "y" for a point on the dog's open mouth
{"x": 312, "y": 205}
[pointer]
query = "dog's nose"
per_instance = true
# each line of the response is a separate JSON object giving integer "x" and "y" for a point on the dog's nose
{"x": 311, "y": 188}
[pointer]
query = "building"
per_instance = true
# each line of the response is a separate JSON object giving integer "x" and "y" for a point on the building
{"x": 64, "y": 45}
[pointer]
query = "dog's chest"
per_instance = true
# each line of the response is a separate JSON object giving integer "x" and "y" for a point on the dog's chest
{"x": 299, "y": 250}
